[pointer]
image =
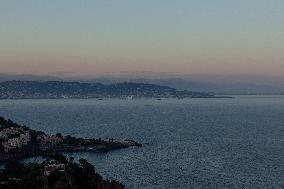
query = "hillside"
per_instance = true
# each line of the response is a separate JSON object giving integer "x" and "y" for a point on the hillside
{"x": 56, "y": 172}
{"x": 58, "y": 89}
{"x": 19, "y": 142}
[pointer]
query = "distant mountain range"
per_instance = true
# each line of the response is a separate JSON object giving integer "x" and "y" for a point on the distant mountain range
{"x": 229, "y": 84}
{"x": 217, "y": 85}
{"x": 10, "y": 77}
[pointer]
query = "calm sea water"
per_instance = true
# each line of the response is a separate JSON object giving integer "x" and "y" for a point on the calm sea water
{"x": 194, "y": 143}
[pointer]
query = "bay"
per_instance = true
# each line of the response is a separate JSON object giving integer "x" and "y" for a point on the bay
{"x": 189, "y": 143}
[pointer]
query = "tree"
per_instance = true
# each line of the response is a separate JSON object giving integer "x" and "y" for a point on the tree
{"x": 58, "y": 157}
{"x": 88, "y": 168}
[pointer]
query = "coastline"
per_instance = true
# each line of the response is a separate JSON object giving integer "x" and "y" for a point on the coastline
{"x": 20, "y": 142}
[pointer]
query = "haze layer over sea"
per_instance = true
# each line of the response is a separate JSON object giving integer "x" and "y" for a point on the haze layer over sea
{"x": 198, "y": 143}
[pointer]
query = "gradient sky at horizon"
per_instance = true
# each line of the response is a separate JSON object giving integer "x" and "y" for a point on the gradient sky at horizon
{"x": 184, "y": 36}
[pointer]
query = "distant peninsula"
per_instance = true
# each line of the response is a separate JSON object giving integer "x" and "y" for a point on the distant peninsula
{"x": 78, "y": 90}
{"x": 19, "y": 142}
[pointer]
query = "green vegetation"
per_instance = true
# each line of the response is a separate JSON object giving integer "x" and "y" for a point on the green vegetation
{"x": 69, "y": 174}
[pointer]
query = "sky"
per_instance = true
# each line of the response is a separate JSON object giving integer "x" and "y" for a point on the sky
{"x": 91, "y": 37}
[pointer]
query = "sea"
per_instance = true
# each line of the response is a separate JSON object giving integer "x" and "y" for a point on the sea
{"x": 187, "y": 143}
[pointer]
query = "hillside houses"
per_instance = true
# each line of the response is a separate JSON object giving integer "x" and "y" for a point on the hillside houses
{"x": 14, "y": 137}
{"x": 4, "y": 134}
{"x": 51, "y": 166}
{"x": 48, "y": 141}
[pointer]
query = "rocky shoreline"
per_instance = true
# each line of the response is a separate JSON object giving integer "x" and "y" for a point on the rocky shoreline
{"x": 6, "y": 157}
{"x": 20, "y": 142}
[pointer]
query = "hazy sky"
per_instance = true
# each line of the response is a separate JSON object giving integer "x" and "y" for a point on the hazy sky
{"x": 185, "y": 36}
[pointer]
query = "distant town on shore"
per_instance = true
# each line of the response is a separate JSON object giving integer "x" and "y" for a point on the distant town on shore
{"x": 80, "y": 90}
